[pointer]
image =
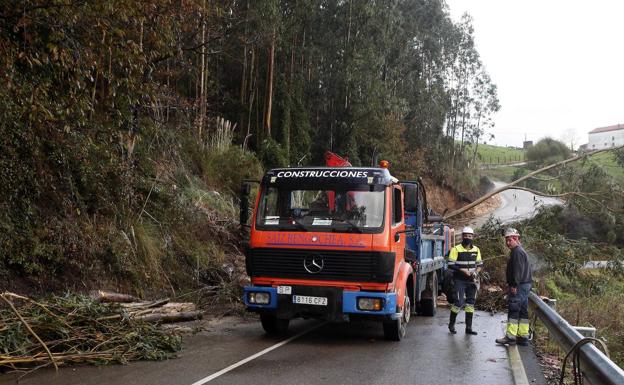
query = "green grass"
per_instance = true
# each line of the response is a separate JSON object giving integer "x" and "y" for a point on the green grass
{"x": 503, "y": 174}
{"x": 489, "y": 154}
{"x": 606, "y": 160}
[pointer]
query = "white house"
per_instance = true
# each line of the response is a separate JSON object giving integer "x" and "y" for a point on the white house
{"x": 602, "y": 137}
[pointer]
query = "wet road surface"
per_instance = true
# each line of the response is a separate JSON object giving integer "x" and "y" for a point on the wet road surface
{"x": 516, "y": 205}
{"x": 353, "y": 353}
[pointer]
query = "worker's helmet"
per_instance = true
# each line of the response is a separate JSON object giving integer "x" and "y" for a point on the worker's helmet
{"x": 510, "y": 232}
{"x": 468, "y": 230}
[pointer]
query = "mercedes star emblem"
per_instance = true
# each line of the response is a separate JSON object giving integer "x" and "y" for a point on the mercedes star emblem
{"x": 313, "y": 264}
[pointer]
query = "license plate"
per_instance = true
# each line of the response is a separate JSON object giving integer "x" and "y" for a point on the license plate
{"x": 284, "y": 290}
{"x": 307, "y": 300}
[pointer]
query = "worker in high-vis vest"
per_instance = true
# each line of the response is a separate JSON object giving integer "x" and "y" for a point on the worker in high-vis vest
{"x": 519, "y": 278}
{"x": 465, "y": 261}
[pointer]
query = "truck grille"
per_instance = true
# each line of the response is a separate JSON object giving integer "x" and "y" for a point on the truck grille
{"x": 338, "y": 265}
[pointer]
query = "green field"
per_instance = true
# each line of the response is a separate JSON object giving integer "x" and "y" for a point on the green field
{"x": 503, "y": 174}
{"x": 606, "y": 160}
{"x": 489, "y": 154}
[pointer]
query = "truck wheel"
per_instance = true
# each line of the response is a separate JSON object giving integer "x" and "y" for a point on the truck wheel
{"x": 429, "y": 305}
{"x": 273, "y": 325}
{"x": 395, "y": 330}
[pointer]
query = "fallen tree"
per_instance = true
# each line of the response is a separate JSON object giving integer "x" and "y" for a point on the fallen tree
{"x": 76, "y": 328}
{"x": 532, "y": 174}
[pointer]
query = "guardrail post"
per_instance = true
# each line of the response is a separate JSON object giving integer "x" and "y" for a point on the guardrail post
{"x": 586, "y": 331}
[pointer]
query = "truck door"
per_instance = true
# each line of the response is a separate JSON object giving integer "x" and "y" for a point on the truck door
{"x": 398, "y": 240}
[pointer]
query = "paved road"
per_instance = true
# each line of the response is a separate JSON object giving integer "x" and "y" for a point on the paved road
{"x": 332, "y": 354}
{"x": 517, "y": 205}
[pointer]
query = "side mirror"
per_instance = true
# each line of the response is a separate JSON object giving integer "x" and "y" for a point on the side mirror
{"x": 408, "y": 229}
{"x": 244, "y": 203}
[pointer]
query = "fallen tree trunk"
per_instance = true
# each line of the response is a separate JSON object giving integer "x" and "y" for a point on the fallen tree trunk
{"x": 527, "y": 176}
{"x": 171, "y": 317}
{"x": 145, "y": 304}
{"x": 110, "y": 296}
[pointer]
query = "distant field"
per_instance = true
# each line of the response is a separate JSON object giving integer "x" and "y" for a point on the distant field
{"x": 488, "y": 154}
{"x": 503, "y": 174}
{"x": 607, "y": 161}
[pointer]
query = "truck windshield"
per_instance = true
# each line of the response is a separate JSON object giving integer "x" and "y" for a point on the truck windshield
{"x": 337, "y": 210}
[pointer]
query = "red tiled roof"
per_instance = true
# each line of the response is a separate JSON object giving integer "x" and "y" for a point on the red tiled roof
{"x": 608, "y": 128}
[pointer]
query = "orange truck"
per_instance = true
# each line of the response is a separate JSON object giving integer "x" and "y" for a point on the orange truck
{"x": 340, "y": 243}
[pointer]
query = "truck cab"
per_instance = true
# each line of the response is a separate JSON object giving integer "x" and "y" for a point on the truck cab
{"x": 339, "y": 243}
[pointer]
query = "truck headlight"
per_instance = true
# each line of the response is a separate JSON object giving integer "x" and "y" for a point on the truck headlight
{"x": 259, "y": 298}
{"x": 370, "y": 304}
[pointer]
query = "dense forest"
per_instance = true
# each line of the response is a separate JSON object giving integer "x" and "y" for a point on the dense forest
{"x": 126, "y": 127}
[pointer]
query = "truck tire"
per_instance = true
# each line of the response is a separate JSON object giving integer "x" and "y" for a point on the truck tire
{"x": 429, "y": 305}
{"x": 274, "y": 326}
{"x": 395, "y": 330}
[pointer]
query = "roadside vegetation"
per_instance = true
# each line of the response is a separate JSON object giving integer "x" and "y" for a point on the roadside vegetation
{"x": 585, "y": 297}
{"x": 608, "y": 163}
{"x": 503, "y": 174}
{"x": 562, "y": 239}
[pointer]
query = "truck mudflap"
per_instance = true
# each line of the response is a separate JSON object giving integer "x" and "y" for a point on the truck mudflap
{"x": 329, "y": 303}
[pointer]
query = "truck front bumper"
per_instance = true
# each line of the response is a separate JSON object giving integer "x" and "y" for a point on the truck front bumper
{"x": 340, "y": 304}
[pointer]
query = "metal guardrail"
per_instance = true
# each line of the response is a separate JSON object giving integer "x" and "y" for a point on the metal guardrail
{"x": 595, "y": 366}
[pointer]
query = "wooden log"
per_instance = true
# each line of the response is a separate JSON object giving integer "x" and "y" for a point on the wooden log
{"x": 110, "y": 296}
{"x": 180, "y": 307}
{"x": 145, "y": 304}
{"x": 172, "y": 317}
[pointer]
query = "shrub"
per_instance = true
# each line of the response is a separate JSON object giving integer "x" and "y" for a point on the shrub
{"x": 547, "y": 151}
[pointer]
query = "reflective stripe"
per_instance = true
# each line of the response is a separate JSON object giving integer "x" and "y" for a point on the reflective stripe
{"x": 523, "y": 321}
{"x": 523, "y": 328}
{"x": 451, "y": 263}
{"x": 466, "y": 263}
{"x": 469, "y": 309}
{"x": 512, "y": 329}
{"x": 455, "y": 309}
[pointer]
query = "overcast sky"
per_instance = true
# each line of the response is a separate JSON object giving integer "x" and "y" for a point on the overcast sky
{"x": 558, "y": 64}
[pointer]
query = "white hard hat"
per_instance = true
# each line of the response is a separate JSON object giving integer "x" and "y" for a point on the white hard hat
{"x": 468, "y": 230}
{"x": 510, "y": 232}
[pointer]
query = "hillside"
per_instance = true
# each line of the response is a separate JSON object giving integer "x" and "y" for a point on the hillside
{"x": 607, "y": 162}
{"x": 491, "y": 154}
{"x": 126, "y": 127}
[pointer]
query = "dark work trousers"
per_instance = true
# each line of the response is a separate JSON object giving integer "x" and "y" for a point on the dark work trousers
{"x": 466, "y": 292}
{"x": 518, "y": 312}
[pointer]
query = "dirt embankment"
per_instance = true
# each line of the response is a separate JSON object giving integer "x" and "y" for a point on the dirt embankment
{"x": 442, "y": 199}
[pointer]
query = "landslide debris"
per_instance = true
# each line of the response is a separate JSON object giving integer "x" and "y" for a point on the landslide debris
{"x": 68, "y": 329}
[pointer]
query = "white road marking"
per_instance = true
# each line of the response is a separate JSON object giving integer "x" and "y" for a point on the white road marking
{"x": 250, "y": 358}
{"x": 517, "y": 368}
{"x": 515, "y": 361}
